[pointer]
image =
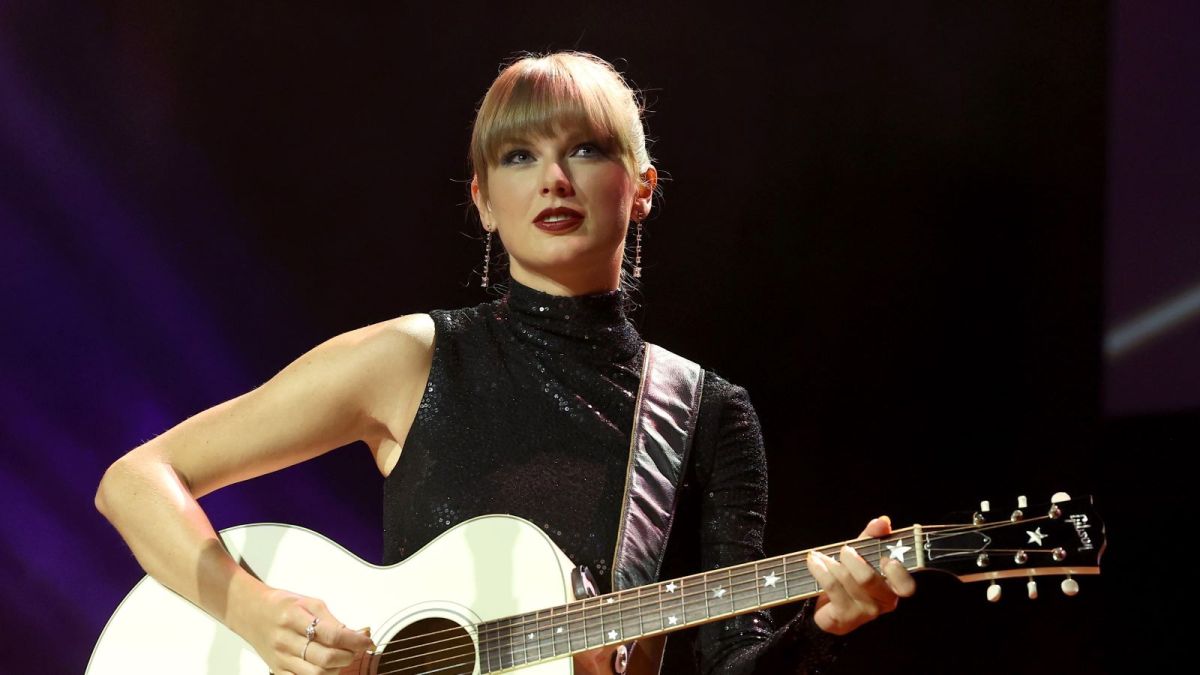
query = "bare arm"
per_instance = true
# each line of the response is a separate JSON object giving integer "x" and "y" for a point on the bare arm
{"x": 363, "y": 385}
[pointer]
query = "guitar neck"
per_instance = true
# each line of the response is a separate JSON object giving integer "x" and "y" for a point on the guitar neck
{"x": 671, "y": 605}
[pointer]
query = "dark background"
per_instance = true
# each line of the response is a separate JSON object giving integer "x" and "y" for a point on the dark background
{"x": 887, "y": 220}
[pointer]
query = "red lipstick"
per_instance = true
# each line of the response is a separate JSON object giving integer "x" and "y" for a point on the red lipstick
{"x": 558, "y": 219}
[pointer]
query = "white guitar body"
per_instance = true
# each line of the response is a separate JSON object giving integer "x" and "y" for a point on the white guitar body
{"x": 484, "y": 569}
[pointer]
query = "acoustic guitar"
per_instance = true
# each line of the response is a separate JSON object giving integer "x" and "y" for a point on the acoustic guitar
{"x": 494, "y": 594}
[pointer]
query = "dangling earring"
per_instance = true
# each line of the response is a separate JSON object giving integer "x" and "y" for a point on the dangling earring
{"x": 487, "y": 258}
{"x": 637, "y": 250}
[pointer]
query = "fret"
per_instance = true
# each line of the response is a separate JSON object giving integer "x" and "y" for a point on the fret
{"x": 491, "y": 649}
{"x": 506, "y": 635}
{"x": 662, "y": 618}
{"x": 560, "y": 636}
{"x": 771, "y": 581}
{"x": 576, "y": 626}
{"x": 545, "y": 639}
{"x": 483, "y": 635}
{"x": 631, "y": 620}
{"x": 640, "y": 614}
{"x": 520, "y": 637}
{"x": 743, "y": 579}
{"x": 758, "y": 584}
{"x": 691, "y": 608}
{"x": 593, "y": 623}
{"x": 717, "y": 593}
{"x": 620, "y": 634}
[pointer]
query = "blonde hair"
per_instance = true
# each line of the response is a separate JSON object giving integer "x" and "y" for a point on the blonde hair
{"x": 537, "y": 95}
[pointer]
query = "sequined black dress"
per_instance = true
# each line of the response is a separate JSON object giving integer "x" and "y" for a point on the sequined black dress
{"x": 528, "y": 411}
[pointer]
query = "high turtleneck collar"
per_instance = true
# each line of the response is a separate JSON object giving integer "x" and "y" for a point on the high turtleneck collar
{"x": 592, "y": 326}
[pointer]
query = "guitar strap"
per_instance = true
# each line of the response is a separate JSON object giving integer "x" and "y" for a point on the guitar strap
{"x": 665, "y": 413}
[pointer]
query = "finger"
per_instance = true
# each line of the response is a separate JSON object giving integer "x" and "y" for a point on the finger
{"x": 878, "y": 527}
{"x": 819, "y": 565}
{"x": 322, "y": 656}
{"x": 856, "y": 589}
{"x": 298, "y": 666}
{"x": 356, "y": 641}
{"x": 334, "y": 634}
{"x": 899, "y": 578}
{"x": 867, "y": 585}
{"x": 315, "y": 653}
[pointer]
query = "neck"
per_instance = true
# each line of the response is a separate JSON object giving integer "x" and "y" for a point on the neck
{"x": 570, "y": 283}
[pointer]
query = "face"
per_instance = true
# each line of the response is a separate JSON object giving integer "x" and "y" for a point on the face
{"x": 561, "y": 205}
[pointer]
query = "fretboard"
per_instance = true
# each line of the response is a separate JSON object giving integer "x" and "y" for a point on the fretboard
{"x": 670, "y": 605}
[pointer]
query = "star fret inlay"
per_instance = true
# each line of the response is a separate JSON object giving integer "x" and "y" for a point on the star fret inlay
{"x": 898, "y": 550}
{"x": 671, "y": 587}
{"x": 770, "y": 579}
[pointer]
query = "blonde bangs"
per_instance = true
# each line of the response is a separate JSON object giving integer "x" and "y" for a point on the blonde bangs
{"x": 539, "y": 96}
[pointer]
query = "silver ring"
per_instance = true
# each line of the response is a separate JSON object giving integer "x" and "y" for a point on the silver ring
{"x": 311, "y": 634}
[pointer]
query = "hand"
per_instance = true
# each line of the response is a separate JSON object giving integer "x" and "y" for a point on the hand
{"x": 854, "y": 593}
{"x": 276, "y": 628}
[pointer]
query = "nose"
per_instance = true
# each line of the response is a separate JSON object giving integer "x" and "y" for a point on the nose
{"x": 556, "y": 181}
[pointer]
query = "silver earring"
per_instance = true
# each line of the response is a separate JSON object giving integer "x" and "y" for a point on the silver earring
{"x": 487, "y": 257}
{"x": 637, "y": 250}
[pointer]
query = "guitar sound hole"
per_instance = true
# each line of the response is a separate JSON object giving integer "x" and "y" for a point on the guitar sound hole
{"x": 436, "y": 646}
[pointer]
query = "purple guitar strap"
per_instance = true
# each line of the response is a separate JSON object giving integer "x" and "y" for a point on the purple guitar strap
{"x": 665, "y": 413}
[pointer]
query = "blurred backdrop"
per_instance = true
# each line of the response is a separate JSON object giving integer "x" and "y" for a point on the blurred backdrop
{"x": 951, "y": 249}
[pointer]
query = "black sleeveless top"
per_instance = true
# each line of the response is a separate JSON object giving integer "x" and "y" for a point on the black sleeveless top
{"x": 529, "y": 410}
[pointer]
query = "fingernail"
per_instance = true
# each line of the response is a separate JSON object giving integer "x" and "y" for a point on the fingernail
{"x": 849, "y": 550}
{"x": 816, "y": 559}
{"x": 365, "y": 631}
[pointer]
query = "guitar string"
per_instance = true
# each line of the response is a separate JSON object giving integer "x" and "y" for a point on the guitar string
{"x": 586, "y": 608}
{"x": 487, "y": 633}
{"x": 518, "y": 652}
{"x": 512, "y": 649}
{"x": 554, "y": 622}
{"x": 497, "y": 633}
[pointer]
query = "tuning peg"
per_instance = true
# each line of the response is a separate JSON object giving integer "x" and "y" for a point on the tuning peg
{"x": 1060, "y": 497}
{"x": 984, "y": 507}
{"x": 1021, "y": 558}
{"x": 1031, "y": 588}
{"x": 1059, "y": 554}
{"x": 993, "y": 592}
{"x": 1022, "y": 502}
{"x": 1070, "y": 587}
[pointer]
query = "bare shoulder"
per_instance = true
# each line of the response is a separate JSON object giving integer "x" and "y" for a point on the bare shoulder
{"x": 397, "y": 343}
{"x": 389, "y": 361}
{"x": 391, "y": 367}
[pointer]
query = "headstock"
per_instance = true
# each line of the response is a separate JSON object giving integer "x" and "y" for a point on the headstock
{"x": 1064, "y": 537}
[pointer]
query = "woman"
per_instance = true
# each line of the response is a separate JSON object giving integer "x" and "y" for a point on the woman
{"x": 531, "y": 396}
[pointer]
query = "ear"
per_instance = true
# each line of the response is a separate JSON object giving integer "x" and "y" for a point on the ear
{"x": 480, "y": 204}
{"x": 645, "y": 193}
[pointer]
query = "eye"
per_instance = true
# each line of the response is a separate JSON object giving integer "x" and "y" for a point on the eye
{"x": 588, "y": 149}
{"x": 515, "y": 157}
